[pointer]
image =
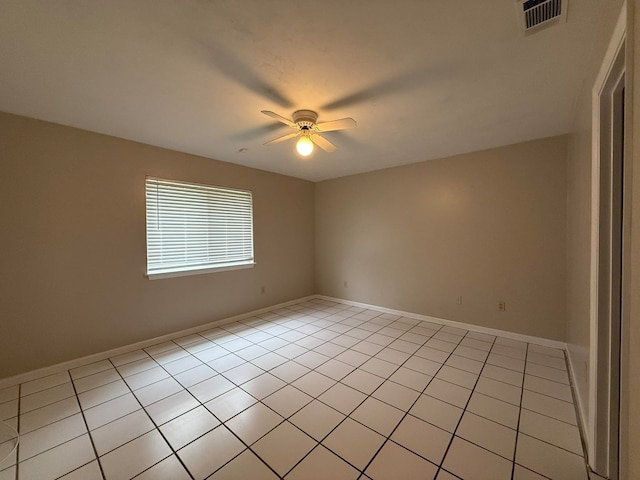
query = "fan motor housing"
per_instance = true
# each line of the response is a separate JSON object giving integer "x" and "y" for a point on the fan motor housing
{"x": 305, "y": 118}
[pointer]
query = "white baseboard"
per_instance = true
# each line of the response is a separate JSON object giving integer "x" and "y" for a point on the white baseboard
{"x": 451, "y": 323}
{"x": 579, "y": 401}
{"x": 96, "y": 357}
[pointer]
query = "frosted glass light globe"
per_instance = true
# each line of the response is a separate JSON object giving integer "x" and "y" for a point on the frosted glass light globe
{"x": 304, "y": 146}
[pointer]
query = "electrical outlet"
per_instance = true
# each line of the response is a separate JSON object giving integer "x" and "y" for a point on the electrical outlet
{"x": 262, "y": 289}
{"x": 459, "y": 300}
{"x": 345, "y": 284}
{"x": 502, "y": 306}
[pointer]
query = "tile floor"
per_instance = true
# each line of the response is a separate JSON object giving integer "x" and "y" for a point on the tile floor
{"x": 316, "y": 390}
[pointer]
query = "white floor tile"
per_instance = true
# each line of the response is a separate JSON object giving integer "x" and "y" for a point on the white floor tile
{"x": 147, "y": 377}
{"x": 487, "y": 434}
{"x": 547, "y": 360}
{"x": 223, "y": 364}
{"x": 210, "y": 452}
{"x": 317, "y": 419}
{"x": 393, "y": 356}
{"x": 549, "y": 406}
{"x": 500, "y": 390}
{"x": 342, "y": 398}
{"x": 135, "y": 457}
{"x": 52, "y": 435}
{"x": 211, "y": 388}
{"x": 195, "y": 375}
{"x": 314, "y": 383}
{"x": 289, "y": 371}
{"x": 552, "y": 431}
{"x": 503, "y": 375}
{"x": 44, "y": 383}
{"x": 493, "y": 409}
{"x": 378, "y": 416}
{"x": 111, "y": 410}
{"x": 437, "y": 412}
{"x": 171, "y": 407}
{"x": 548, "y": 387}
{"x": 548, "y": 460}
{"x": 444, "y": 475}
{"x": 422, "y": 365}
{"x": 521, "y": 473}
{"x": 49, "y": 414}
{"x": 96, "y": 380}
{"x": 117, "y": 433}
{"x": 90, "y": 369}
{"x": 549, "y": 373}
{"x": 243, "y": 373}
{"x": 90, "y": 471}
{"x": 168, "y": 469}
{"x": 287, "y": 401}
{"x": 506, "y": 362}
{"x": 59, "y": 460}
{"x": 263, "y": 385}
{"x": 9, "y": 393}
{"x": 432, "y": 354}
{"x": 379, "y": 367}
{"x": 137, "y": 366}
{"x": 396, "y": 463}
{"x": 229, "y": 404}
{"x": 410, "y": 378}
{"x": 422, "y": 438}
{"x": 471, "y": 462}
{"x": 508, "y": 351}
{"x": 335, "y": 369}
{"x": 187, "y": 427}
{"x": 448, "y": 392}
{"x": 458, "y": 377}
{"x": 467, "y": 364}
{"x": 254, "y": 422}
{"x": 362, "y": 381}
{"x": 396, "y": 395}
{"x": 157, "y": 391}
{"x": 245, "y": 466}
{"x": 46, "y": 397}
{"x": 182, "y": 365}
{"x": 283, "y": 447}
{"x": 354, "y": 442}
{"x": 321, "y": 464}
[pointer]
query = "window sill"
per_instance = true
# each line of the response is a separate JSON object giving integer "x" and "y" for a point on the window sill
{"x": 197, "y": 271}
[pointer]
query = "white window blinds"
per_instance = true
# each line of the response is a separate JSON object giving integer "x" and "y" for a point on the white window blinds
{"x": 197, "y": 227}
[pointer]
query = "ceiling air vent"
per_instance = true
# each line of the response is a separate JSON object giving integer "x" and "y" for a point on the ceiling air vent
{"x": 535, "y": 15}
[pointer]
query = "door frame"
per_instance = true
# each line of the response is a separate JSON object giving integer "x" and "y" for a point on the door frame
{"x": 605, "y": 342}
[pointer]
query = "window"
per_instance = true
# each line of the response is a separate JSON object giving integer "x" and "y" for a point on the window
{"x": 197, "y": 228}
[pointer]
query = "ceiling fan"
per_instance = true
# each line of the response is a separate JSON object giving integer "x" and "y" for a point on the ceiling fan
{"x": 308, "y": 130}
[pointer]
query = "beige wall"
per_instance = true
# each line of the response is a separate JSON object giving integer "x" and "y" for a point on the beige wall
{"x": 72, "y": 248}
{"x": 488, "y": 226}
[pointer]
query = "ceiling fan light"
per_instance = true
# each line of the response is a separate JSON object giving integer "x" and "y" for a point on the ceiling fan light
{"x": 304, "y": 146}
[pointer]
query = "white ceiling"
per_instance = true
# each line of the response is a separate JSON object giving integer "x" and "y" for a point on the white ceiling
{"x": 423, "y": 79}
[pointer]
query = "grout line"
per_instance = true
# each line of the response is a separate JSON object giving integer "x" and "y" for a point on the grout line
{"x": 86, "y": 425}
{"x": 515, "y": 447}
{"x": 464, "y": 410}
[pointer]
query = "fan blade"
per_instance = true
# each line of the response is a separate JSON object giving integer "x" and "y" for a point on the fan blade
{"x": 332, "y": 125}
{"x": 323, "y": 143}
{"x": 283, "y": 138}
{"x": 280, "y": 118}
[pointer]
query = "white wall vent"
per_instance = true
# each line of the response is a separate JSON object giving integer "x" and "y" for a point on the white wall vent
{"x": 535, "y": 15}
